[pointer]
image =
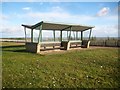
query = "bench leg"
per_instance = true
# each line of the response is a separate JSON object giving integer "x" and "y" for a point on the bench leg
{"x": 76, "y": 45}
{"x": 44, "y": 47}
{"x": 53, "y": 47}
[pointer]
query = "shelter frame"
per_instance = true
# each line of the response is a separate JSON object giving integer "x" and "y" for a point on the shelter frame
{"x": 35, "y": 47}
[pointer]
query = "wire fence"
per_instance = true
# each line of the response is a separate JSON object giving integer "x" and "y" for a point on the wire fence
{"x": 105, "y": 43}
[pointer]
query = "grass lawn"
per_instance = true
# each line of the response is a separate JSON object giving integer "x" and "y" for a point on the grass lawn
{"x": 94, "y": 68}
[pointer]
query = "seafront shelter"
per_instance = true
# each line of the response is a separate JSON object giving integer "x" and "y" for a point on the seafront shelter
{"x": 35, "y": 46}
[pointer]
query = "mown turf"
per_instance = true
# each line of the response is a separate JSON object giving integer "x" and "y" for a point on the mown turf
{"x": 95, "y": 68}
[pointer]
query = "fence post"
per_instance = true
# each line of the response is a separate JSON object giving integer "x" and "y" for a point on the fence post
{"x": 117, "y": 43}
{"x": 105, "y": 42}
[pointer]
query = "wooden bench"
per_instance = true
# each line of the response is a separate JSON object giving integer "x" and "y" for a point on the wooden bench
{"x": 76, "y": 43}
{"x": 50, "y": 44}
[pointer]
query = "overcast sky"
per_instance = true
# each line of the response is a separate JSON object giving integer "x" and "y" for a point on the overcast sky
{"x": 104, "y": 16}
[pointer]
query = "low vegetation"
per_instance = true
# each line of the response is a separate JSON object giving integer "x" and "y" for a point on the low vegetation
{"x": 94, "y": 68}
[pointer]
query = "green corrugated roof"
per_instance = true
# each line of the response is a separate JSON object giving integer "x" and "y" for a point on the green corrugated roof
{"x": 58, "y": 26}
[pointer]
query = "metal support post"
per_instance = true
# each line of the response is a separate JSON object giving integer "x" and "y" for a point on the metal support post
{"x": 54, "y": 34}
{"x": 70, "y": 34}
{"x": 25, "y": 34}
{"x": 31, "y": 35}
{"x": 67, "y": 35}
{"x": 76, "y": 35}
{"x": 61, "y": 35}
{"x": 90, "y": 33}
{"x": 81, "y": 35}
{"x": 40, "y": 32}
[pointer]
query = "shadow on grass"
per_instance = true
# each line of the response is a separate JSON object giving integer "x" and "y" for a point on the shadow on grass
{"x": 13, "y": 46}
{"x": 20, "y": 50}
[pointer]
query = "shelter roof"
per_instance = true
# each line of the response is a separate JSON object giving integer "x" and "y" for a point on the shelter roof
{"x": 58, "y": 26}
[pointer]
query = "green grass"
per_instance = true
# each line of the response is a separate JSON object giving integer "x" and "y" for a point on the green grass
{"x": 94, "y": 68}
